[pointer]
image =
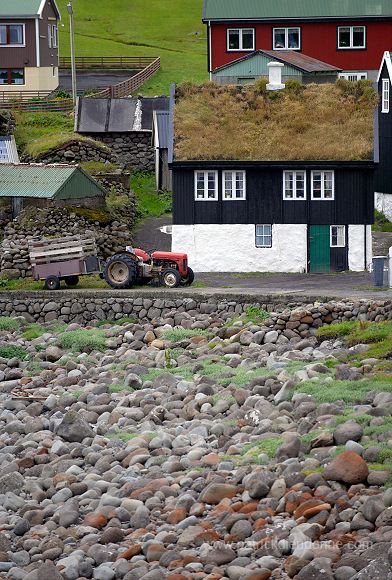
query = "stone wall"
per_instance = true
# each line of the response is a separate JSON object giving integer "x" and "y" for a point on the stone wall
{"x": 74, "y": 152}
{"x": 132, "y": 150}
{"x": 290, "y": 319}
{"x": 112, "y": 234}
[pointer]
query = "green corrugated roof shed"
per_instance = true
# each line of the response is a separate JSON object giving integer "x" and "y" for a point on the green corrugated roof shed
{"x": 47, "y": 182}
{"x": 287, "y": 9}
{"x": 23, "y": 8}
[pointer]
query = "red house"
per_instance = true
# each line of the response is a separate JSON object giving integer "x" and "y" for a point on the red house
{"x": 351, "y": 34}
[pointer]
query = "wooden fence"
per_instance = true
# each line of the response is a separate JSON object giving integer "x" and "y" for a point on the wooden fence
{"x": 46, "y": 101}
{"x": 107, "y": 62}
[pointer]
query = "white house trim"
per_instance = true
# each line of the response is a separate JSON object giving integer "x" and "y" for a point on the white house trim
{"x": 387, "y": 60}
{"x": 37, "y": 41}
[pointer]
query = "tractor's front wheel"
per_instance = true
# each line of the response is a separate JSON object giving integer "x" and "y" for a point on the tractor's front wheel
{"x": 189, "y": 279}
{"x": 170, "y": 278}
{"x": 120, "y": 271}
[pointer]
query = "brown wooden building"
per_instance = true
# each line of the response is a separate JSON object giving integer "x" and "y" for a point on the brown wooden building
{"x": 28, "y": 45}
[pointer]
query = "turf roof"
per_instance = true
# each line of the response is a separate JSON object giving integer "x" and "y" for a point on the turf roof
{"x": 313, "y": 122}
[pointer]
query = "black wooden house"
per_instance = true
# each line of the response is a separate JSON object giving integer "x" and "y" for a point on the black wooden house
{"x": 305, "y": 208}
{"x": 383, "y": 153}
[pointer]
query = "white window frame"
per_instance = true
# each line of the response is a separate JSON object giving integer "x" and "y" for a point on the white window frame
{"x": 24, "y": 35}
{"x": 359, "y": 76}
{"x": 55, "y": 36}
{"x": 286, "y": 37}
{"x": 351, "y": 47}
{"x": 233, "y": 189}
{"x": 342, "y": 240}
{"x": 294, "y": 198}
{"x": 263, "y": 235}
{"x": 385, "y": 96}
{"x": 323, "y": 198}
{"x": 206, "y": 198}
{"x": 241, "y": 31}
{"x": 50, "y": 36}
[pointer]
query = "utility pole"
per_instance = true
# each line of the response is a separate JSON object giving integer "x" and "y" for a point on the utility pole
{"x": 73, "y": 62}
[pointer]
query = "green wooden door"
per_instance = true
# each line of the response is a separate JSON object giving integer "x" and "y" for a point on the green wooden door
{"x": 320, "y": 260}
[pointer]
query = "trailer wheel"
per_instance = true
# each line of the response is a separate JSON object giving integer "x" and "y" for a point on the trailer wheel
{"x": 120, "y": 271}
{"x": 189, "y": 279}
{"x": 170, "y": 278}
{"x": 52, "y": 283}
{"x": 72, "y": 280}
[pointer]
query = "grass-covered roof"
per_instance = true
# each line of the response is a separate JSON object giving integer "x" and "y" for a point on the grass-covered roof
{"x": 311, "y": 122}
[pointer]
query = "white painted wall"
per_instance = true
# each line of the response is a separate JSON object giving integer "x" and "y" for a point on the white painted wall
{"x": 231, "y": 248}
{"x": 356, "y": 247}
{"x": 383, "y": 203}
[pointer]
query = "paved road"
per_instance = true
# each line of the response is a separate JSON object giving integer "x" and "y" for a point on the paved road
{"x": 87, "y": 80}
{"x": 148, "y": 235}
{"x": 344, "y": 285}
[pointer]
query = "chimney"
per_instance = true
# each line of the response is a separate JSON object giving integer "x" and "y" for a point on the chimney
{"x": 275, "y": 76}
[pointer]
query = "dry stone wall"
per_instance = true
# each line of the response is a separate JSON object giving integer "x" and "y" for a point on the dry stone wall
{"x": 76, "y": 151}
{"x": 131, "y": 150}
{"x": 111, "y": 237}
{"x": 285, "y": 320}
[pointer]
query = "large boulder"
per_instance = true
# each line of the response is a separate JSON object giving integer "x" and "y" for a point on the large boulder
{"x": 348, "y": 467}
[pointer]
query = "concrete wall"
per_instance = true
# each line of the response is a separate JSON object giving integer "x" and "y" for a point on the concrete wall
{"x": 383, "y": 203}
{"x": 231, "y": 248}
{"x": 36, "y": 79}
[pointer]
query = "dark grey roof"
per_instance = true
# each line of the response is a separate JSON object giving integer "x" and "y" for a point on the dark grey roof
{"x": 161, "y": 129}
{"x": 8, "y": 151}
{"x": 290, "y": 57}
{"x": 118, "y": 115}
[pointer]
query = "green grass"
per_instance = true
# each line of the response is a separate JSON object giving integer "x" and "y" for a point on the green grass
{"x": 381, "y": 222}
{"x": 13, "y": 351}
{"x": 171, "y": 29}
{"x": 119, "y": 388}
{"x": 30, "y": 285}
{"x": 33, "y": 331}
{"x": 269, "y": 446}
{"x": 34, "y": 131}
{"x": 377, "y": 334}
{"x": 120, "y": 322}
{"x": 94, "y": 167}
{"x": 150, "y": 203}
{"x": 83, "y": 340}
{"x": 336, "y": 330}
{"x": 347, "y": 391}
{"x": 178, "y": 334}
{"x": 8, "y": 324}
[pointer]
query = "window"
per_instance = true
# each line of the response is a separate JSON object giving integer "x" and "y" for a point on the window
{"x": 241, "y": 39}
{"x": 264, "y": 236}
{"x": 385, "y": 96}
{"x": 353, "y": 76}
{"x": 338, "y": 237}
{"x": 287, "y": 38}
{"x": 233, "y": 185}
{"x": 12, "y": 35}
{"x": 351, "y": 37}
{"x": 206, "y": 185}
{"x": 12, "y": 76}
{"x": 294, "y": 185}
{"x": 323, "y": 185}
{"x": 52, "y": 36}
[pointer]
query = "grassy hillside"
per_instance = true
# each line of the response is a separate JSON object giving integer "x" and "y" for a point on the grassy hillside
{"x": 171, "y": 29}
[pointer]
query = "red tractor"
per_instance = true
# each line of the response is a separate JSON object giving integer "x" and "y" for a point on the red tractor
{"x": 135, "y": 267}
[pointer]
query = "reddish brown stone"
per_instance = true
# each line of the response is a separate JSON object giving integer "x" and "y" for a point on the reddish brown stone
{"x": 215, "y": 492}
{"x": 348, "y": 467}
{"x": 154, "y": 552}
{"x": 197, "y": 509}
{"x": 211, "y": 459}
{"x": 260, "y": 523}
{"x": 249, "y": 507}
{"x": 261, "y": 575}
{"x": 176, "y": 516}
{"x": 95, "y": 520}
{"x": 26, "y": 462}
{"x": 309, "y": 508}
{"x": 130, "y": 552}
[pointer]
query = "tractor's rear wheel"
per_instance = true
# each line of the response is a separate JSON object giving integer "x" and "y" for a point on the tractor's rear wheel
{"x": 120, "y": 271}
{"x": 170, "y": 278}
{"x": 189, "y": 279}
